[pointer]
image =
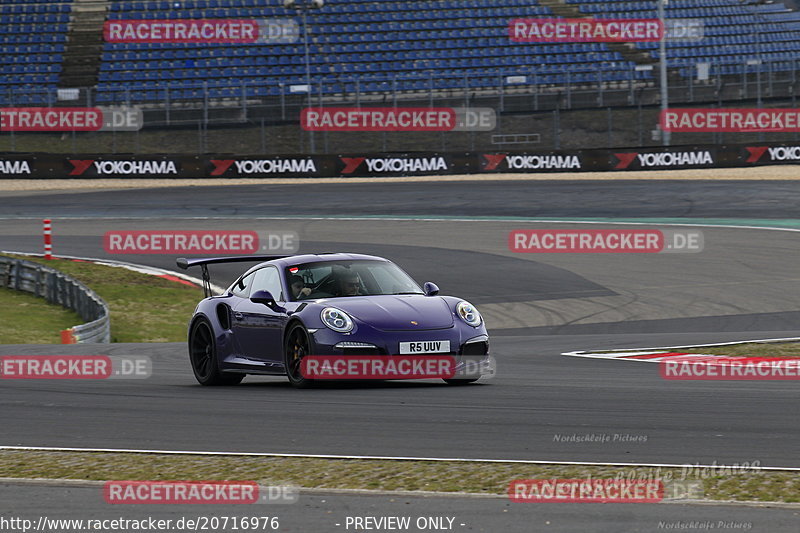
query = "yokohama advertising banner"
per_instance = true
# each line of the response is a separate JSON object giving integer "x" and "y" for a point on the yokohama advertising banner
{"x": 564, "y": 162}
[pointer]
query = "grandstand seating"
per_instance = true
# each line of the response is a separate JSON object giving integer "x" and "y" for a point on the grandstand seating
{"x": 734, "y": 32}
{"x": 410, "y": 46}
{"x": 376, "y": 46}
{"x": 32, "y": 40}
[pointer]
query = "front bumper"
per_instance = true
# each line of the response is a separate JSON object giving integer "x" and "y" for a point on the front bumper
{"x": 470, "y": 348}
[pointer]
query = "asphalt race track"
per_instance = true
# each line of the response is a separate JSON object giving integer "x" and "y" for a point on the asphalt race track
{"x": 323, "y": 512}
{"x": 744, "y": 284}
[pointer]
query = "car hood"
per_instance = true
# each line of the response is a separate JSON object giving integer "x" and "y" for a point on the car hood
{"x": 397, "y": 312}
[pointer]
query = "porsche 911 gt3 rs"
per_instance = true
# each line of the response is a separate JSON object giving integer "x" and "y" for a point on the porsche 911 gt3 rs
{"x": 288, "y": 308}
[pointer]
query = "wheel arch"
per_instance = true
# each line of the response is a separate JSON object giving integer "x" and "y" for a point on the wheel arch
{"x": 197, "y": 318}
{"x": 290, "y": 324}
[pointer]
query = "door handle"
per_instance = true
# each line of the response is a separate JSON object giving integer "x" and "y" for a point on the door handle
{"x": 238, "y": 316}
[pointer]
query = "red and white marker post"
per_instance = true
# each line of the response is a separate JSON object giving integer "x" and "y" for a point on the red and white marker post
{"x": 48, "y": 239}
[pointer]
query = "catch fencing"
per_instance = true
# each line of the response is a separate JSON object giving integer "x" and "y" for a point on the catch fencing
{"x": 590, "y": 110}
{"x": 58, "y": 288}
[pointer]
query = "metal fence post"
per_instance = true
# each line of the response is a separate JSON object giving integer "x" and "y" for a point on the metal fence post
{"x": 569, "y": 90}
{"x": 263, "y": 138}
{"x": 600, "y": 87}
{"x": 501, "y": 90}
{"x": 283, "y": 101}
{"x": 244, "y": 100}
{"x": 324, "y": 133}
{"x": 630, "y": 85}
{"x": 770, "y": 88}
{"x": 205, "y": 102}
{"x": 556, "y": 129}
{"x": 639, "y": 122}
{"x": 744, "y": 80}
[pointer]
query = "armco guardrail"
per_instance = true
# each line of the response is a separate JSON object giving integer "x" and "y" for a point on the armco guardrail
{"x": 58, "y": 288}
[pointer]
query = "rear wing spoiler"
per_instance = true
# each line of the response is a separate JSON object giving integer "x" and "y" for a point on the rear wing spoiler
{"x": 203, "y": 263}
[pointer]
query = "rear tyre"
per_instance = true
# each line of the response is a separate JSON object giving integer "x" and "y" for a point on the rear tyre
{"x": 457, "y": 382}
{"x": 203, "y": 356}
{"x": 297, "y": 346}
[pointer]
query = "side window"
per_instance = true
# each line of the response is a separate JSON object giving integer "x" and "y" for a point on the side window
{"x": 268, "y": 279}
{"x": 242, "y": 287}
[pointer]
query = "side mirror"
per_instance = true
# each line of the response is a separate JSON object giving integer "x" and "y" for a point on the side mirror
{"x": 430, "y": 289}
{"x": 263, "y": 297}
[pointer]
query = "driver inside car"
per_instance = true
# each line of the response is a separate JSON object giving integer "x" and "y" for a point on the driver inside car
{"x": 299, "y": 289}
{"x": 350, "y": 285}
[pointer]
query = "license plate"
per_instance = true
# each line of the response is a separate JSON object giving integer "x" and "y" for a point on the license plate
{"x": 422, "y": 347}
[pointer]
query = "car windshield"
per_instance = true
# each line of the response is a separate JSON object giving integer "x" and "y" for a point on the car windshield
{"x": 333, "y": 279}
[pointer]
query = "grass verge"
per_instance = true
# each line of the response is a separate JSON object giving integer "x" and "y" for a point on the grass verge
{"x": 28, "y": 319}
{"x": 477, "y": 478}
{"x": 752, "y": 349}
{"x": 143, "y": 308}
{"x": 746, "y": 349}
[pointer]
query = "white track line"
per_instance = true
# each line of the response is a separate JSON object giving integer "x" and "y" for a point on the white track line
{"x": 609, "y": 354}
{"x": 784, "y": 339}
{"x": 386, "y": 458}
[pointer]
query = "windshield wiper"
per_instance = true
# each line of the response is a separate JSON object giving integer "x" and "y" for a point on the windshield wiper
{"x": 396, "y": 293}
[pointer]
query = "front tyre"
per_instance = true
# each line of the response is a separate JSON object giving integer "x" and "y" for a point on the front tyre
{"x": 297, "y": 346}
{"x": 203, "y": 356}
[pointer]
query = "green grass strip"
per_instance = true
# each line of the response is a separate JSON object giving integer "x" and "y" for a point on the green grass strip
{"x": 377, "y": 474}
{"x": 143, "y": 308}
{"x": 28, "y": 319}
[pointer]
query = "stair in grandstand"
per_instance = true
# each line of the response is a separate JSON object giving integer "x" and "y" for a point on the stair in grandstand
{"x": 627, "y": 50}
{"x": 84, "y": 48}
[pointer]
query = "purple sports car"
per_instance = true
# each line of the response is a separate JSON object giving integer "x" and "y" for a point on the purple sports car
{"x": 333, "y": 304}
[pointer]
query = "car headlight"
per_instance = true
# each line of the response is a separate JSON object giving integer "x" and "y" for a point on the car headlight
{"x": 337, "y": 320}
{"x": 469, "y": 314}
